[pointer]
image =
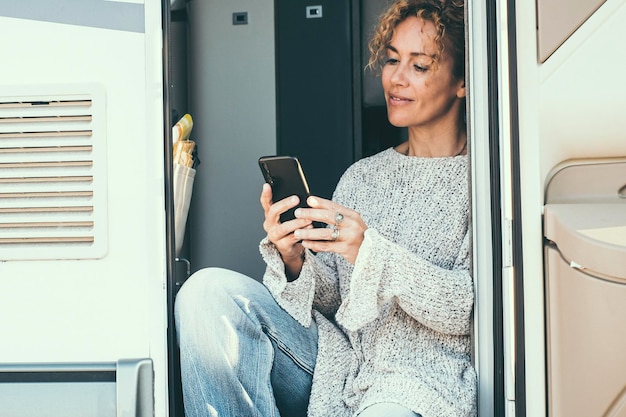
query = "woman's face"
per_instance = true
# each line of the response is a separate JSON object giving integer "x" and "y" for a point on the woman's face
{"x": 418, "y": 92}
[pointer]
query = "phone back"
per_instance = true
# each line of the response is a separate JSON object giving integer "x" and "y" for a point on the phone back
{"x": 284, "y": 174}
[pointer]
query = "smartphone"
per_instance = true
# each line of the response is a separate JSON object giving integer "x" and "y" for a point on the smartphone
{"x": 286, "y": 177}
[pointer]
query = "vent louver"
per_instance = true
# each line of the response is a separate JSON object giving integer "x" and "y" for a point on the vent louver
{"x": 52, "y": 176}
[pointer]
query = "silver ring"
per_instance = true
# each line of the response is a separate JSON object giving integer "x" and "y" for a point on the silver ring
{"x": 335, "y": 234}
{"x": 338, "y": 218}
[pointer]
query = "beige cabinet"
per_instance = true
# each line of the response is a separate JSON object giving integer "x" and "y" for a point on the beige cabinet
{"x": 585, "y": 270}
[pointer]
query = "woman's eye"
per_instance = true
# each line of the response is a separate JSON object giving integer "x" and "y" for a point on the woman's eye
{"x": 420, "y": 68}
{"x": 391, "y": 61}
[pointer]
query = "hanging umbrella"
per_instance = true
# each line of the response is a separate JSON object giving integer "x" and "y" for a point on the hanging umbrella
{"x": 184, "y": 174}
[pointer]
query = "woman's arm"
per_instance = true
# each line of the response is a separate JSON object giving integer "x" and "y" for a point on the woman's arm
{"x": 316, "y": 286}
{"x": 439, "y": 298}
{"x": 293, "y": 274}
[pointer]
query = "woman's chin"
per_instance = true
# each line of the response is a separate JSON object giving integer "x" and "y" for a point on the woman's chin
{"x": 397, "y": 122}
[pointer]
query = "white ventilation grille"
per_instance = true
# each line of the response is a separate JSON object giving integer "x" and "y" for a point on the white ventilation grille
{"x": 52, "y": 176}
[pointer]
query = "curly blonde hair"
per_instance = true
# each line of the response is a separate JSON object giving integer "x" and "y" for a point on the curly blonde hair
{"x": 448, "y": 16}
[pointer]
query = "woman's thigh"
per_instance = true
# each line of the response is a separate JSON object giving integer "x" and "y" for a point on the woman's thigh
{"x": 387, "y": 410}
{"x": 216, "y": 295}
{"x": 218, "y": 301}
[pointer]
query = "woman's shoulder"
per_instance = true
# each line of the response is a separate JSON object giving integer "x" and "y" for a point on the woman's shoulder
{"x": 390, "y": 161}
{"x": 380, "y": 159}
{"x": 389, "y": 165}
{"x": 361, "y": 173}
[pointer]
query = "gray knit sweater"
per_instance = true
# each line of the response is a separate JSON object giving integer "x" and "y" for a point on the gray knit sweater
{"x": 395, "y": 326}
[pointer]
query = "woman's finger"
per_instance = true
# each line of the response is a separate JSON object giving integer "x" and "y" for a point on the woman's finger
{"x": 266, "y": 197}
{"x": 279, "y": 207}
{"x": 273, "y": 210}
{"x": 319, "y": 233}
{"x": 344, "y": 234}
{"x": 330, "y": 214}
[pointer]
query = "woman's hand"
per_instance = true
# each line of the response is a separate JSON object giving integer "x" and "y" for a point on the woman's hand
{"x": 345, "y": 235}
{"x": 282, "y": 234}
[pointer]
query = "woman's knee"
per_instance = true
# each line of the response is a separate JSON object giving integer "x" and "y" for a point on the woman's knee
{"x": 193, "y": 287}
{"x": 204, "y": 290}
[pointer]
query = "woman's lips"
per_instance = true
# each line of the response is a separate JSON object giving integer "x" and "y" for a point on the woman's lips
{"x": 396, "y": 99}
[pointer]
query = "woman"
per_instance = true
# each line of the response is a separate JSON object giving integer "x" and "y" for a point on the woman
{"x": 370, "y": 316}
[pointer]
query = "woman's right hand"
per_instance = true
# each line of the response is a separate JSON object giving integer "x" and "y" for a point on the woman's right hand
{"x": 281, "y": 234}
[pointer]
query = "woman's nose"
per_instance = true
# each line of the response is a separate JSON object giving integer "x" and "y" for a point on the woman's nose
{"x": 399, "y": 75}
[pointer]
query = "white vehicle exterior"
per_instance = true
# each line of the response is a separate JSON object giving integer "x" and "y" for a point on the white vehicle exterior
{"x": 87, "y": 266}
{"x": 87, "y": 298}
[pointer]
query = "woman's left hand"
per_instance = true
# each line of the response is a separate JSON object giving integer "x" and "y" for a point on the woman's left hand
{"x": 345, "y": 235}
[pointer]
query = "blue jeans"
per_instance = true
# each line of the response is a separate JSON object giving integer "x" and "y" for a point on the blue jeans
{"x": 241, "y": 353}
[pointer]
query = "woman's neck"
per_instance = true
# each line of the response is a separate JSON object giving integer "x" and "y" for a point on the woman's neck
{"x": 434, "y": 146}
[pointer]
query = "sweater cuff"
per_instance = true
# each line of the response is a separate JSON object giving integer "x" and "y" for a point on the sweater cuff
{"x": 361, "y": 305}
{"x": 295, "y": 297}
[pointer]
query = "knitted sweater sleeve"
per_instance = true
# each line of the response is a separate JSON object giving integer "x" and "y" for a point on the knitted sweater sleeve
{"x": 438, "y": 298}
{"x": 316, "y": 287}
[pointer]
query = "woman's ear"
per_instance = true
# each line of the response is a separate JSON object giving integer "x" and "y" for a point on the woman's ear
{"x": 461, "y": 92}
